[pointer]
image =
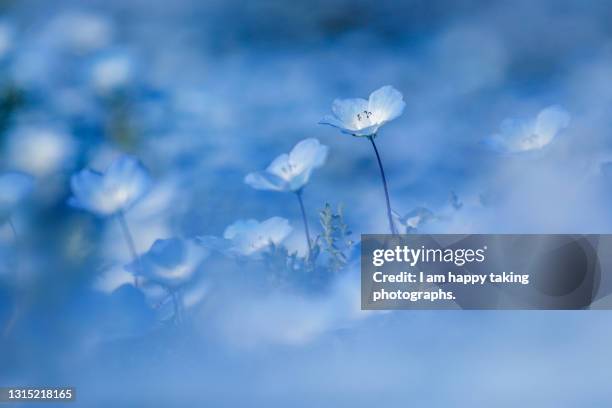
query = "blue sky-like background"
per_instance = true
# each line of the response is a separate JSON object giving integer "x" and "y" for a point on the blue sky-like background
{"x": 204, "y": 93}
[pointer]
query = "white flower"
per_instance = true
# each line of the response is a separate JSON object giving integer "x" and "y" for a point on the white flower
{"x": 360, "y": 117}
{"x": 14, "y": 187}
{"x": 170, "y": 262}
{"x": 40, "y": 151}
{"x": 250, "y": 236}
{"x": 290, "y": 172}
{"x": 112, "y": 72}
{"x": 81, "y": 32}
{"x": 519, "y": 135}
{"x": 117, "y": 189}
{"x": 413, "y": 220}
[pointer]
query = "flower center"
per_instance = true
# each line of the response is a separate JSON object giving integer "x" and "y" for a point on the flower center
{"x": 287, "y": 169}
{"x": 257, "y": 242}
{"x": 121, "y": 195}
{"x": 364, "y": 115}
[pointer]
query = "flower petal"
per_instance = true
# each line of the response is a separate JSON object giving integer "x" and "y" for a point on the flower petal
{"x": 124, "y": 182}
{"x": 263, "y": 180}
{"x": 239, "y": 227}
{"x": 86, "y": 188}
{"x": 386, "y": 104}
{"x": 367, "y": 131}
{"x": 129, "y": 176}
{"x": 276, "y": 229}
{"x": 520, "y": 135}
{"x": 280, "y": 167}
{"x": 250, "y": 236}
{"x": 332, "y": 121}
{"x": 212, "y": 243}
{"x": 308, "y": 153}
{"x": 304, "y": 158}
{"x": 549, "y": 122}
{"x": 346, "y": 110}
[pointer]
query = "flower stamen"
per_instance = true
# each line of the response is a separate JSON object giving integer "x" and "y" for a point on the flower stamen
{"x": 365, "y": 113}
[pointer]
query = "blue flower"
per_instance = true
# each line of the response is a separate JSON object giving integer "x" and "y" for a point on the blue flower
{"x": 250, "y": 237}
{"x": 290, "y": 172}
{"x": 170, "y": 262}
{"x": 116, "y": 190}
{"x": 14, "y": 187}
{"x": 360, "y": 117}
{"x": 40, "y": 150}
{"x": 81, "y": 32}
{"x": 413, "y": 220}
{"x": 521, "y": 135}
{"x": 112, "y": 72}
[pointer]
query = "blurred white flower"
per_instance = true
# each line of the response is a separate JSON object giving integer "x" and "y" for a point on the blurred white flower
{"x": 413, "y": 220}
{"x": 520, "y": 135}
{"x": 170, "y": 262}
{"x": 117, "y": 189}
{"x": 112, "y": 72}
{"x": 250, "y": 236}
{"x": 290, "y": 172}
{"x": 6, "y": 39}
{"x": 360, "y": 117}
{"x": 14, "y": 187}
{"x": 80, "y": 31}
{"x": 40, "y": 151}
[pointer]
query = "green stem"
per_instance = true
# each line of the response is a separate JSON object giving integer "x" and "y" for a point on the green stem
{"x": 384, "y": 181}
{"x": 306, "y": 230}
{"x": 15, "y": 235}
{"x": 130, "y": 242}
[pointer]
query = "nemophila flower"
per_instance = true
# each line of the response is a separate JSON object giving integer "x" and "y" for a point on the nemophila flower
{"x": 112, "y": 72}
{"x": 14, "y": 187}
{"x": 39, "y": 150}
{"x": 413, "y": 220}
{"x": 521, "y": 135}
{"x": 80, "y": 32}
{"x": 117, "y": 189}
{"x": 170, "y": 262}
{"x": 112, "y": 192}
{"x": 291, "y": 172}
{"x": 250, "y": 237}
{"x": 361, "y": 117}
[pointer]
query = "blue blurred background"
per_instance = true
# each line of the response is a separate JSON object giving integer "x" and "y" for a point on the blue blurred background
{"x": 204, "y": 93}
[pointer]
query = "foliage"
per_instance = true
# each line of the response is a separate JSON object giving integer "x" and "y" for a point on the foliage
{"x": 335, "y": 239}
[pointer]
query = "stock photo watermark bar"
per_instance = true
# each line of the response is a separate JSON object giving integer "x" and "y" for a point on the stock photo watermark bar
{"x": 37, "y": 394}
{"x": 486, "y": 272}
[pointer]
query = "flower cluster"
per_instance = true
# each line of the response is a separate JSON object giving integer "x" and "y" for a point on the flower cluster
{"x": 174, "y": 272}
{"x": 170, "y": 267}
